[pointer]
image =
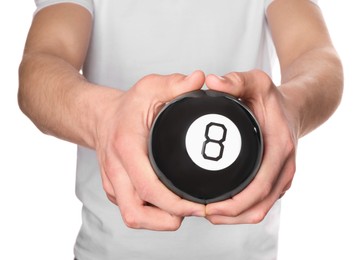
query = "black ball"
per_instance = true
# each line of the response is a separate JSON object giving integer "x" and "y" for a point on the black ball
{"x": 205, "y": 146}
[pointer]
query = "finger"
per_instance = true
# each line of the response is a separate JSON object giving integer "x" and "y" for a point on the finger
{"x": 240, "y": 84}
{"x": 107, "y": 187}
{"x": 166, "y": 88}
{"x": 106, "y": 184}
{"x": 135, "y": 212}
{"x": 149, "y": 187}
{"x": 285, "y": 189}
{"x": 176, "y": 85}
{"x": 259, "y": 210}
{"x": 255, "y": 192}
{"x": 254, "y": 215}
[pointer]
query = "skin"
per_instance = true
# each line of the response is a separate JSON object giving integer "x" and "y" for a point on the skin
{"x": 62, "y": 103}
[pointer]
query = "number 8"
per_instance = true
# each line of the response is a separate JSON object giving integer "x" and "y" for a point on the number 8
{"x": 209, "y": 140}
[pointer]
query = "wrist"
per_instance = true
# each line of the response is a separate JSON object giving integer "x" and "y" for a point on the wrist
{"x": 95, "y": 102}
{"x": 294, "y": 103}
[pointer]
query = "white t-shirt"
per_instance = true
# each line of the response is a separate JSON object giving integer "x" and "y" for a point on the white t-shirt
{"x": 133, "y": 38}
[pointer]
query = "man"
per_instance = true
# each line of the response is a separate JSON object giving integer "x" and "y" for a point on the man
{"x": 137, "y": 55}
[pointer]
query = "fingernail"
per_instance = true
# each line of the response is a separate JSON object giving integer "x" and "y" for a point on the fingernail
{"x": 217, "y": 77}
{"x": 189, "y": 76}
{"x": 196, "y": 72}
{"x": 220, "y": 77}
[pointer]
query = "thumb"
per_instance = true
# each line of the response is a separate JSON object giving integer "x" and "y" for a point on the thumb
{"x": 177, "y": 84}
{"x": 244, "y": 85}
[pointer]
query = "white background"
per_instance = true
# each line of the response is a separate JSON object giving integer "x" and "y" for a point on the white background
{"x": 322, "y": 213}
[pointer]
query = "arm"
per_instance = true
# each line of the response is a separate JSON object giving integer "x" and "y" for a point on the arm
{"x": 50, "y": 86}
{"x": 61, "y": 102}
{"x": 309, "y": 93}
{"x": 311, "y": 71}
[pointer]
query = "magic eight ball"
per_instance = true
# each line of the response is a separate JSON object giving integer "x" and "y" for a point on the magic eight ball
{"x": 205, "y": 146}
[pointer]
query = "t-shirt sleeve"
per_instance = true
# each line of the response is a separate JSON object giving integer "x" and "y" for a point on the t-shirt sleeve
{"x": 40, "y": 4}
{"x": 268, "y": 2}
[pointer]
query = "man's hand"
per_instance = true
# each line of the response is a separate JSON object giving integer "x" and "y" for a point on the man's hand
{"x": 279, "y": 129}
{"x": 127, "y": 175}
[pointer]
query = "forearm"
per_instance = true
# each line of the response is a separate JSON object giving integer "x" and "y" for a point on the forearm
{"x": 312, "y": 86}
{"x": 311, "y": 72}
{"x": 59, "y": 100}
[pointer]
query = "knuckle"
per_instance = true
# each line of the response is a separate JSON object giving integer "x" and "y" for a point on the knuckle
{"x": 150, "y": 77}
{"x": 289, "y": 174}
{"x": 233, "y": 212}
{"x": 265, "y": 189}
{"x": 214, "y": 221}
{"x": 262, "y": 76}
{"x": 131, "y": 220}
{"x": 236, "y": 78}
{"x": 179, "y": 212}
{"x": 263, "y": 81}
{"x": 257, "y": 216}
{"x": 290, "y": 147}
{"x": 107, "y": 188}
{"x": 112, "y": 171}
{"x": 173, "y": 80}
{"x": 145, "y": 83}
{"x": 112, "y": 199}
{"x": 109, "y": 171}
{"x": 144, "y": 192}
{"x": 291, "y": 154}
{"x": 174, "y": 226}
{"x": 288, "y": 186}
{"x": 291, "y": 170}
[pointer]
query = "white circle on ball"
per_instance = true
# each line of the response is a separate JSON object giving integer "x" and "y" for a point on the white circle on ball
{"x": 213, "y": 142}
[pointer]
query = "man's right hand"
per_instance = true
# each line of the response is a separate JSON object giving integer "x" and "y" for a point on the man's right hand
{"x": 121, "y": 145}
{"x": 116, "y": 124}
